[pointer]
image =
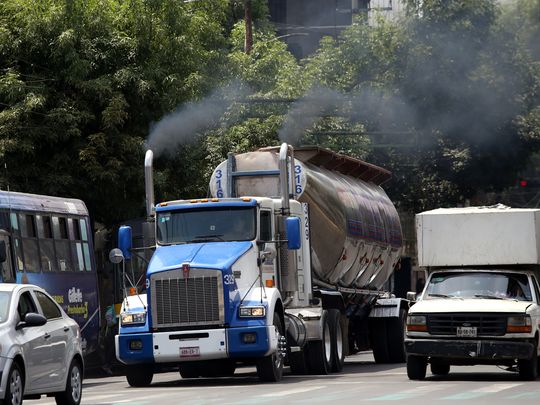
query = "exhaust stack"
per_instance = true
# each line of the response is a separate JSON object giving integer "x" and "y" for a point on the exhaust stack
{"x": 149, "y": 183}
{"x": 285, "y": 151}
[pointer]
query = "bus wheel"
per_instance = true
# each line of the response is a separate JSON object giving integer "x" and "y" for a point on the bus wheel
{"x": 139, "y": 375}
{"x": 270, "y": 368}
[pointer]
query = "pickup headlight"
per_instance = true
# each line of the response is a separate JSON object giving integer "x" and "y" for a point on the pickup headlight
{"x": 519, "y": 324}
{"x": 252, "y": 312}
{"x": 132, "y": 318}
{"x": 416, "y": 323}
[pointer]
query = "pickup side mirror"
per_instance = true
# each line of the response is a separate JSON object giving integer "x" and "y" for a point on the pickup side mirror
{"x": 293, "y": 233}
{"x": 32, "y": 319}
{"x": 125, "y": 240}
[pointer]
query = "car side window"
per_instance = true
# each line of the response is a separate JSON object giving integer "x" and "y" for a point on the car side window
{"x": 26, "y": 305}
{"x": 49, "y": 307}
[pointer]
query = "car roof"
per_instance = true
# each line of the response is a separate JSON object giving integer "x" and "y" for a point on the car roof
{"x": 11, "y": 287}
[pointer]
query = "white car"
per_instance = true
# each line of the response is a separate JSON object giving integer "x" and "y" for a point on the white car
{"x": 40, "y": 348}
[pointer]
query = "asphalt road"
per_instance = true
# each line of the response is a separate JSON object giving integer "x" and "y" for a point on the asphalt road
{"x": 361, "y": 381}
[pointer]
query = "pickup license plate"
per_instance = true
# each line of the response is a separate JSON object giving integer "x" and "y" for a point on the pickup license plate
{"x": 190, "y": 351}
{"x": 466, "y": 331}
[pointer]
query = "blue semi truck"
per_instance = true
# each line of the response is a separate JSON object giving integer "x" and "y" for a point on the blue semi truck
{"x": 287, "y": 263}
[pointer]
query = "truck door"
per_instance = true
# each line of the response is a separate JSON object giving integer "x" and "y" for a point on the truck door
{"x": 266, "y": 233}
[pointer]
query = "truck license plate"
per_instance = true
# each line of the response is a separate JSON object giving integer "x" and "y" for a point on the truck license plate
{"x": 190, "y": 352}
{"x": 466, "y": 331}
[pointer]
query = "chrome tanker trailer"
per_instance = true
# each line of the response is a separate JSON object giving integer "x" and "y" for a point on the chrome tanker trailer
{"x": 286, "y": 263}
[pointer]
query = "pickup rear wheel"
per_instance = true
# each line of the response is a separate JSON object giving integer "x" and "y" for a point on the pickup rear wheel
{"x": 270, "y": 368}
{"x": 140, "y": 375}
{"x": 416, "y": 367}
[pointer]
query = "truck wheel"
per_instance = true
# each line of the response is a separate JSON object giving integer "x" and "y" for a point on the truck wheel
{"x": 338, "y": 354}
{"x": 139, "y": 375}
{"x": 189, "y": 370}
{"x": 320, "y": 351}
{"x": 528, "y": 368}
{"x": 378, "y": 340}
{"x": 395, "y": 335}
{"x": 416, "y": 367}
{"x": 440, "y": 369}
{"x": 270, "y": 368}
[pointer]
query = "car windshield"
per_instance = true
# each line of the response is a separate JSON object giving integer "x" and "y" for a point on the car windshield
{"x": 4, "y": 305}
{"x": 219, "y": 224}
{"x": 472, "y": 284}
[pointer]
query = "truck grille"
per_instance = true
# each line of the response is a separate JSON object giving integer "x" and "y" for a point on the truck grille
{"x": 486, "y": 324}
{"x": 179, "y": 301}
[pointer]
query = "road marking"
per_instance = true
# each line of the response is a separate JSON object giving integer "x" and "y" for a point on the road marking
{"x": 483, "y": 391}
{"x": 291, "y": 392}
{"x": 497, "y": 387}
{"x": 531, "y": 394}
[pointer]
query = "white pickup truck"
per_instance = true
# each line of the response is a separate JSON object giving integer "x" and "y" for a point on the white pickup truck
{"x": 481, "y": 302}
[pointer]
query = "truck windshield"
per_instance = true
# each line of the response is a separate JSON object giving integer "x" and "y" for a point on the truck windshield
{"x": 220, "y": 224}
{"x": 471, "y": 284}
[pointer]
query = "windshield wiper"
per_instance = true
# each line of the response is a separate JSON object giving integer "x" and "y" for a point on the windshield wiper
{"x": 208, "y": 238}
{"x": 490, "y": 297}
{"x": 441, "y": 295}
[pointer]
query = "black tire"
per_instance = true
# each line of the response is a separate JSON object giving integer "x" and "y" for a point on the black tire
{"x": 15, "y": 386}
{"x": 395, "y": 337}
{"x": 338, "y": 354}
{"x": 378, "y": 340}
{"x": 73, "y": 393}
{"x": 320, "y": 351}
{"x": 440, "y": 369}
{"x": 139, "y": 375}
{"x": 416, "y": 367}
{"x": 298, "y": 362}
{"x": 270, "y": 368}
{"x": 189, "y": 370}
{"x": 528, "y": 368}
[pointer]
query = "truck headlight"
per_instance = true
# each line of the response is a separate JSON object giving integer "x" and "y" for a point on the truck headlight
{"x": 252, "y": 312}
{"x": 416, "y": 323}
{"x": 519, "y": 324}
{"x": 132, "y": 318}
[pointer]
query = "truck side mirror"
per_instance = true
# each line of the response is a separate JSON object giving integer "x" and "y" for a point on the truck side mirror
{"x": 293, "y": 233}
{"x": 125, "y": 240}
{"x": 3, "y": 253}
{"x": 411, "y": 295}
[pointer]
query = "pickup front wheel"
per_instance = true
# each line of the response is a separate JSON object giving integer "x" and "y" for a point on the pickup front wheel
{"x": 416, "y": 367}
{"x": 528, "y": 368}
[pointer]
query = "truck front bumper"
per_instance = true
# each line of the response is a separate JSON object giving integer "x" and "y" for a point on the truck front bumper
{"x": 195, "y": 345}
{"x": 469, "y": 349}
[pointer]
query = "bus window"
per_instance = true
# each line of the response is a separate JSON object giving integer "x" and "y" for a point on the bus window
{"x": 61, "y": 242}
{"x": 29, "y": 243}
{"x": 18, "y": 254}
{"x": 46, "y": 243}
{"x": 14, "y": 223}
{"x": 8, "y": 275}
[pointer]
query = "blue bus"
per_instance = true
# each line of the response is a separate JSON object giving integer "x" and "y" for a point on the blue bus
{"x": 47, "y": 241}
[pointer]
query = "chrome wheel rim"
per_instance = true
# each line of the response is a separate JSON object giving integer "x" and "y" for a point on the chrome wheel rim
{"x": 339, "y": 341}
{"x": 327, "y": 343}
{"x": 16, "y": 387}
{"x": 76, "y": 384}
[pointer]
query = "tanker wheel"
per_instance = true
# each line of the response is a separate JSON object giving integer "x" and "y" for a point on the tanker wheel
{"x": 140, "y": 375}
{"x": 338, "y": 354}
{"x": 270, "y": 368}
{"x": 378, "y": 340}
{"x": 320, "y": 351}
{"x": 395, "y": 335}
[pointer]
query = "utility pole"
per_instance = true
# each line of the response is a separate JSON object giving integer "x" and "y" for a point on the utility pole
{"x": 248, "y": 41}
